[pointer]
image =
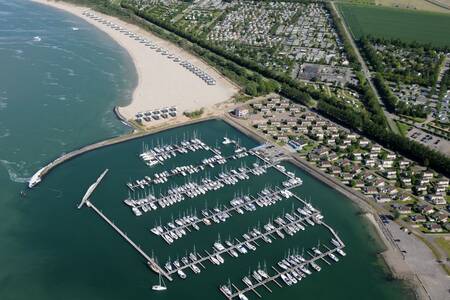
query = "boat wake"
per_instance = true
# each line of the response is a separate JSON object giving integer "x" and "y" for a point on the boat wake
{"x": 14, "y": 169}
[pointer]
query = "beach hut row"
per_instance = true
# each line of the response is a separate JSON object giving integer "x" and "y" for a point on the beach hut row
{"x": 156, "y": 114}
{"x": 195, "y": 70}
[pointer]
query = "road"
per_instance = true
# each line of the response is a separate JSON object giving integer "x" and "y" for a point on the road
{"x": 366, "y": 71}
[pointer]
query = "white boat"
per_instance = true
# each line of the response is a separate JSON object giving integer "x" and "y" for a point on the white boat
{"x": 341, "y": 252}
{"x": 161, "y": 286}
{"x": 242, "y": 297}
{"x": 37, "y": 38}
{"x": 181, "y": 274}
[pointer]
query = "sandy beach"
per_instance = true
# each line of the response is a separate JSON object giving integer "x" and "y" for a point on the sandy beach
{"x": 161, "y": 81}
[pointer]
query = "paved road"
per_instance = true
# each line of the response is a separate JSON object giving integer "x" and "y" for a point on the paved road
{"x": 366, "y": 72}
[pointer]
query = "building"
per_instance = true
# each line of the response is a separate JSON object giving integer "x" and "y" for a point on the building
{"x": 240, "y": 112}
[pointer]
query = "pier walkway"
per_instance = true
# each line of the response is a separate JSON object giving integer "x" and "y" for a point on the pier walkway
{"x": 277, "y": 275}
{"x": 227, "y": 210}
{"x": 252, "y": 239}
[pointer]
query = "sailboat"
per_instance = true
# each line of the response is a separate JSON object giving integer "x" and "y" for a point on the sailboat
{"x": 161, "y": 286}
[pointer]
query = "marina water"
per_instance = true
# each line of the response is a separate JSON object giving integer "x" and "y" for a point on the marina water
{"x": 63, "y": 78}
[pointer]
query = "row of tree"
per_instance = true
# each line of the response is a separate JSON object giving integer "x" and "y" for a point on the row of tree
{"x": 372, "y": 124}
{"x": 351, "y": 53}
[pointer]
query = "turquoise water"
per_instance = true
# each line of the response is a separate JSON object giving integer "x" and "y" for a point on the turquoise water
{"x": 57, "y": 95}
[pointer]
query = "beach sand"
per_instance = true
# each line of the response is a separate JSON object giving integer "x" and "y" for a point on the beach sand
{"x": 161, "y": 81}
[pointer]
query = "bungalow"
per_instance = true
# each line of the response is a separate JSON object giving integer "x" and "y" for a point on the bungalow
{"x": 364, "y": 143}
{"x": 310, "y": 117}
{"x": 440, "y": 217}
{"x": 436, "y": 199}
{"x": 404, "y": 163}
{"x": 382, "y": 198}
{"x": 391, "y": 190}
{"x": 433, "y": 227}
{"x": 442, "y": 182}
{"x": 261, "y": 126}
{"x": 387, "y": 163}
{"x": 334, "y": 170}
{"x": 331, "y": 142}
{"x": 274, "y": 100}
{"x": 312, "y": 157}
{"x": 284, "y": 105}
{"x": 379, "y": 183}
{"x": 404, "y": 209}
{"x": 280, "y": 110}
{"x": 291, "y": 122}
{"x": 403, "y": 197}
{"x": 427, "y": 209}
{"x": 391, "y": 156}
{"x": 390, "y": 174}
{"x": 418, "y": 218}
{"x": 324, "y": 164}
{"x": 294, "y": 109}
{"x": 370, "y": 190}
{"x": 333, "y": 157}
{"x": 306, "y": 123}
{"x": 346, "y": 176}
{"x": 346, "y": 142}
{"x": 265, "y": 110}
{"x": 375, "y": 149}
{"x": 427, "y": 174}
{"x": 369, "y": 162}
{"x": 352, "y": 136}
{"x": 420, "y": 189}
{"x": 270, "y": 105}
{"x": 424, "y": 181}
{"x": 406, "y": 181}
{"x": 257, "y": 105}
{"x": 321, "y": 151}
{"x": 320, "y": 123}
{"x": 356, "y": 156}
{"x": 283, "y": 138}
{"x": 332, "y": 128}
{"x": 275, "y": 122}
{"x": 359, "y": 184}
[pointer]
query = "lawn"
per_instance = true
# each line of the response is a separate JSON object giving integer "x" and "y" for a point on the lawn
{"x": 394, "y": 23}
{"x": 444, "y": 243}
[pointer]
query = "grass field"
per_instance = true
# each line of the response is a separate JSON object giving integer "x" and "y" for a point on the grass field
{"x": 393, "y": 23}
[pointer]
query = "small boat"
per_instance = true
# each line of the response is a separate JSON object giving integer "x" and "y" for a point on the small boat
{"x": 161, "y": 286}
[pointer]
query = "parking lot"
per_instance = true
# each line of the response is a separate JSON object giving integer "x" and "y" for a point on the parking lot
{"x": 430, "y": 140}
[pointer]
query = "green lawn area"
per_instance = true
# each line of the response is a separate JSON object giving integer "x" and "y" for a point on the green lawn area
{"x": 394, "y": 23}
{"x": 444, "y": 244}
{"x": 404, "y": 128}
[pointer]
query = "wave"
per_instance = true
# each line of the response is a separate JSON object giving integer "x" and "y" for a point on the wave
{"x": 4, "y": 133}
{"x": 13, "y": 169}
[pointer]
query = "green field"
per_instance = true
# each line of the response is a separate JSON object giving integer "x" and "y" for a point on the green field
{"x": 393, "y": 23}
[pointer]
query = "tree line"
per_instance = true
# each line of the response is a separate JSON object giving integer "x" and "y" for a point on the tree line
{"x": 372, "y": 123}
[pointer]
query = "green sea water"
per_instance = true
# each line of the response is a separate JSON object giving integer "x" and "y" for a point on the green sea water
{"x": 56, "y": 95}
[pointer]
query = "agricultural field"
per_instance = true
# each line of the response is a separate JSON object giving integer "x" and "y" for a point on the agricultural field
{"x": 393, "y": 23}
{"x": 416, "y": 5}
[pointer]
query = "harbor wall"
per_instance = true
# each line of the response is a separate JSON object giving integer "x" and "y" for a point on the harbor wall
{"x": 113, "y": 141}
